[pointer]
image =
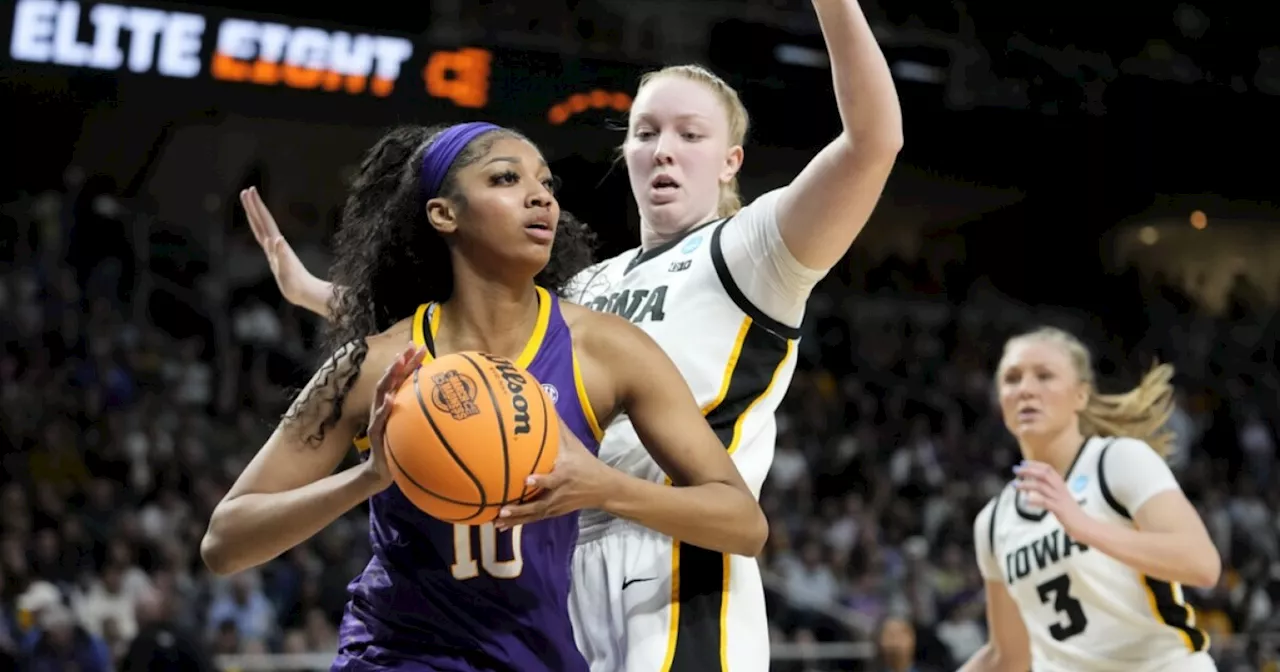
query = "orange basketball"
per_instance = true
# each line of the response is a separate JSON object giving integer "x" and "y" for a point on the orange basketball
{"x": 465, "y": 432}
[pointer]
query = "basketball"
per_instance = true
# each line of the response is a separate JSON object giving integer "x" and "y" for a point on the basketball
{"x": 464, "y": 433}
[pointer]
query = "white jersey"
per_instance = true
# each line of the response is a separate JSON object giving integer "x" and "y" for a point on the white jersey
{"x": 1085, "y": 611}
{"x": 724, "y": 301}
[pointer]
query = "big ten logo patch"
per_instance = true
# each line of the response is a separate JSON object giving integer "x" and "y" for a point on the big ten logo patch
{"x": 461, "y": 76}
{"x": 269, "y": 54}
{"x": 454, "y": 393}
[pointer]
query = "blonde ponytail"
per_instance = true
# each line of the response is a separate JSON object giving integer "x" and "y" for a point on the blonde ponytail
{"x": 1140, "y": 413}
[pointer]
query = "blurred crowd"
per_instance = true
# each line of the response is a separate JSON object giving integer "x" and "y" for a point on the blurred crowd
{"x": 133, "y": 391}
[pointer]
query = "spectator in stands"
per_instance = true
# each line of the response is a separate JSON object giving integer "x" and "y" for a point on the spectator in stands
{"x": 160, "y": 646}
{"x": 896, "y": 646}
{"x": 59, "y": 644}
{"x": 242, "y": 603}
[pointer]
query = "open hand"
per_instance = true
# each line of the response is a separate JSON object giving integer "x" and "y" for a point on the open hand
{"x": 578, "y": 481}
{"x": 380, "y": 410}
{"x": 296, "y": 283}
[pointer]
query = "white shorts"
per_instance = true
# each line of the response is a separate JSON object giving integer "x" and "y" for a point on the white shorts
{"x": 640, "y": 605}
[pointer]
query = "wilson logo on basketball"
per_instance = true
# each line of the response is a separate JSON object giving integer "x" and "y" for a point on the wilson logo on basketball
{"x": 515, "y": 385}
{"x": 455, "y": 394}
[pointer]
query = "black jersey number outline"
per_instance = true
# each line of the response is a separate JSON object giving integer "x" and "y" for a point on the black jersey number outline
{"x": 1059, "y": 591}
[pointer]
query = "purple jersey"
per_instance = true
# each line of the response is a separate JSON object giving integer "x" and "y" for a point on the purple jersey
{"x": 439, "y": 597}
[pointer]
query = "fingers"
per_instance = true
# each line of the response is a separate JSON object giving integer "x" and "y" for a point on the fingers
{"x": 399, "y": 370}
{"x": 523, "y": 514}
{"x": 1040, "y": 492}
{"x": 549, "y": 481}
{"x": 381, "y": 412}
{"x": 260, "y": 219}
{"x": 246, "y": 202}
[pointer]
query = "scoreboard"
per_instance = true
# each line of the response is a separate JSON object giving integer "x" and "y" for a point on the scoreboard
{"x": 190, "y": 47}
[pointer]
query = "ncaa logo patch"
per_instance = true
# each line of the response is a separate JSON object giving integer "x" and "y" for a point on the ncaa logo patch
{"x": 552, "y": 393}
{"x": 691, "y": 245}
{"x": 1078, "y": 483}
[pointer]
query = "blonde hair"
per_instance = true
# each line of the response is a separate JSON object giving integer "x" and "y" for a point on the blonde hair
{"x": 730, "y": 201}
{"x": 1140, "y": 413}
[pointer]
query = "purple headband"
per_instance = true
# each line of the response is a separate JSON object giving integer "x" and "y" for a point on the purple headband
{"x": 442, "y": 152}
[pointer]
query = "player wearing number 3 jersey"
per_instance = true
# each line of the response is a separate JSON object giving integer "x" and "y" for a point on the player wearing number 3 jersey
{"x": 1086, "y": 552}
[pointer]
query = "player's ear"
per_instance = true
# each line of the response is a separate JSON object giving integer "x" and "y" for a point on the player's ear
{"x": 732, "y": 164}
{"x": 443, "y": 215}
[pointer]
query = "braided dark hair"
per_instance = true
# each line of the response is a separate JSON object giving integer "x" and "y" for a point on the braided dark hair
{"x": 389, "y": 259}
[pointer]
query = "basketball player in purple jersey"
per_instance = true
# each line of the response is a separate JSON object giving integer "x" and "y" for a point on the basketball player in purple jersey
{"x": 449, "y": 238}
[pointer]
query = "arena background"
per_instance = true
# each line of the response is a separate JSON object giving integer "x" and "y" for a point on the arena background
{"x": 1105, "y": 168}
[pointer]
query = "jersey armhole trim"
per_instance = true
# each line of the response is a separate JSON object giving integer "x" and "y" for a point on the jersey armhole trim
{"x": 735, "y": 293}
{"x": 1107, "y": 495}
{"x": 991, "y": 531}
{"x": 588, "y": 413}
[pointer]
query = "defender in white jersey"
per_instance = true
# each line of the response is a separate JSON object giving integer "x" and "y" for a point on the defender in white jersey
{"x": 703, "y": 298}
{"x": 722, "y": 291}
{"x": 1085, "y": 553}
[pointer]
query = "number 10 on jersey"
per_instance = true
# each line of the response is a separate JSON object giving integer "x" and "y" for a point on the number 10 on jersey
{"x": 465, "y": 565}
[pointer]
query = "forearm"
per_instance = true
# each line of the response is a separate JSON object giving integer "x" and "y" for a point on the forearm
{"x": 317, "y": 298}
{"x": 254, "y": 528}
{"x": 714, "y": 516}
{"x": 983, "y": 660}
{"x": 988, "y": 659}
{"x": 1168, "y": 556}
{"x": 865, "y": 94}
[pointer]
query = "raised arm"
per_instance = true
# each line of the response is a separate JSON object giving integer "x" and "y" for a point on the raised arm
{"x": 826, "y": 206}
{"x": 289, "y": 492}
{"x": 297, "y": 284}
{"x": 709, "y": 506}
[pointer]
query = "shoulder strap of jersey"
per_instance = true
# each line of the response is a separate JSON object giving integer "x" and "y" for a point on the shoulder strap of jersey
{"x": 735, "y": 293}
{"x": 991, "y": 531}
{"x": 1107, "y": 495}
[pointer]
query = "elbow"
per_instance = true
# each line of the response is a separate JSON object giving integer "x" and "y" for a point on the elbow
{"x": 887, "y": 143}
{"x": 1003, "y": 661}
{"x": 872, "y": 147}
{"x": 757, "y": 534}
{"x": 216, "y": 553}
{"x": 882, "y": 140}
{"x": 1209, "y": 571}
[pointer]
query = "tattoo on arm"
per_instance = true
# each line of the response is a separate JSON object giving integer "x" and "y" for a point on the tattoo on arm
{"x": 318, "y": 408}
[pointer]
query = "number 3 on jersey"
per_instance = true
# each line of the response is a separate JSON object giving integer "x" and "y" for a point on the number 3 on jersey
{"x": 1058, "y": 591}
{"x": 464, "y": 560}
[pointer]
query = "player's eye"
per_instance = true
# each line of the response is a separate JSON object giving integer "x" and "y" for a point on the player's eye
{"x": 504, "y": 178}
{"x": 552, "y": 184}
